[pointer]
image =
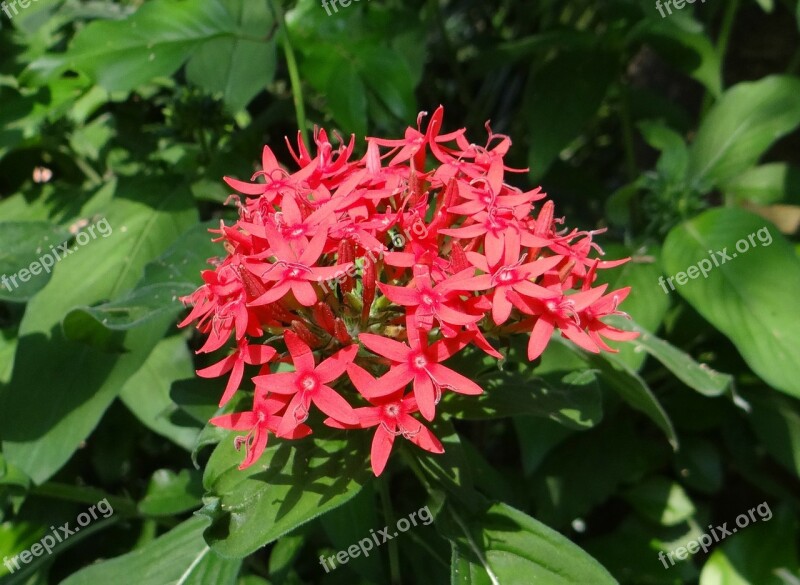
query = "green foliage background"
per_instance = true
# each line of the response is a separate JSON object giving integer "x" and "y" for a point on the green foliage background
{"x": 677, "y": 133}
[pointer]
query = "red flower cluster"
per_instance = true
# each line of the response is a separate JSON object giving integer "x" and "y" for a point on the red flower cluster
{"x": 373, "y": 272}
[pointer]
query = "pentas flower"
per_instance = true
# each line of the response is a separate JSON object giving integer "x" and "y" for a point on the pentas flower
{"x": 308, "y": 383}
{"x": 367, "y": 274}
{"x": 390, "y": 414}
{"x": 419, "y": 362}
{"x": 258, "y": 423}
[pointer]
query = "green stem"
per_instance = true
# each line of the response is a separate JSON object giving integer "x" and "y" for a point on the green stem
{"x": 722, "y": 43}
{"x": 294, "y": 73}
{"x": 627, "y": 133}
{"x": 388, "y": 516}
{"x": 85, "y": 495}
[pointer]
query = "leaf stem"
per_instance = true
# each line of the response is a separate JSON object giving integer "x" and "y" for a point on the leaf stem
{"x": 85, "y": 495}
{"x": 627, "y": 133}
{"x": 388, "y": 516}
{"x": 722, "y": 44}
{"x": 294, "y": 73}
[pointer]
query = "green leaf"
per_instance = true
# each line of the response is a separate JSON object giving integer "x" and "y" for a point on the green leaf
{"x": 577, "y": 476}
{"x": 751, "y": 297}
{"x": 197, "y": 397}
{"x": 629, "y": 385}
{"x": 588, "y": 72}
{"x": 346, "y": 525}
{"x": 23, "y": 247}
{"x": 503, "y": 545}
{"x": 776, "y": 421}
{"x": 697, "y": 376}
{"x": 641, "y": 274}
{"x": 146, "y": 393}
{"x": 238, "y": 68}
{"x": 292, "y": 483}
{"x": 740, "y": 128}
{"x": 688, "y": 50}
{"x": 171, "y": 493}
{"x": 699, "y": 465}
{"x": 662, "y": 501}
{"x": 766, "y": 5}
{"x": 570, "y": 398}
{"x": 760, "y": 553}
{"x": 48, "y": 411}
{"x": 674, "y": 160}
{"x": 766, "y": 184}
{"x": 347, "y": 100}
{"x": 155, "y": 41}
{"x": 179, "y": 556}
{"x": 174, "y": 274}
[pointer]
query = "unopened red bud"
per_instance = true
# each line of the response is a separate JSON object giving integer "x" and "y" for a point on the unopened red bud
{"x": 340, "y": 332}
{"x": 368, "y": 283}
{"x": 304, "y": 333}
{"x": 252, "y": 285}
{"x": 566, "y": 270}
{"x": 347, "y": 254}
{"x": 324, "y": 317}
{"x": 458, "y": 258}
{"x": 545, "y": 219}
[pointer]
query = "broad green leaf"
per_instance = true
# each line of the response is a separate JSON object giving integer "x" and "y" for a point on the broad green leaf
{"x": 449, "y": 471}
{"x": 661, "y": 500}
{"x": 577, "y": 475}
{"x": 633, "y": 547}
{"x": 690, "y": 51}
{"x": 674, "y": 158}
{"x": 391, "y": 80}
{"x": 176, "y": 273}
{"x": 284, "y": 553}
{"x": 146, "y": 393}
{"x": 699, "y": 465}
{"x": 697, "y": 376}
{"x": 346, "y": 525}
{"x": 197, "y": 397}
{"x": 629, "y": 385}
{"x": 588, "y": 72}
{"x": 8, "y": 349}
{"x": 536, "y": 439}
{"x": 239, "y": 67}
{"x": 171, "y": 493}
{"x": 761, "y": 551}
{"x": 571, "y": 398}
{"x": 346, "y": 97}
{"x": 767, "y": 5}
{"x": 79, "y": 382}
{"x": 776, "y": 421}
{"x": 766, "y": 184}
{"x": 155, "y": 41}
{"x": 503, "y": 545}
{"x": 292, "y": 483}
{"x": 751, "y": 297}
{"x": 28, "y": 253}
{"x": 740, "y": 128}
{"x": 179, "y": 557}
{"x": 633, "y": 389}
{"x": 641, "y": 273}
